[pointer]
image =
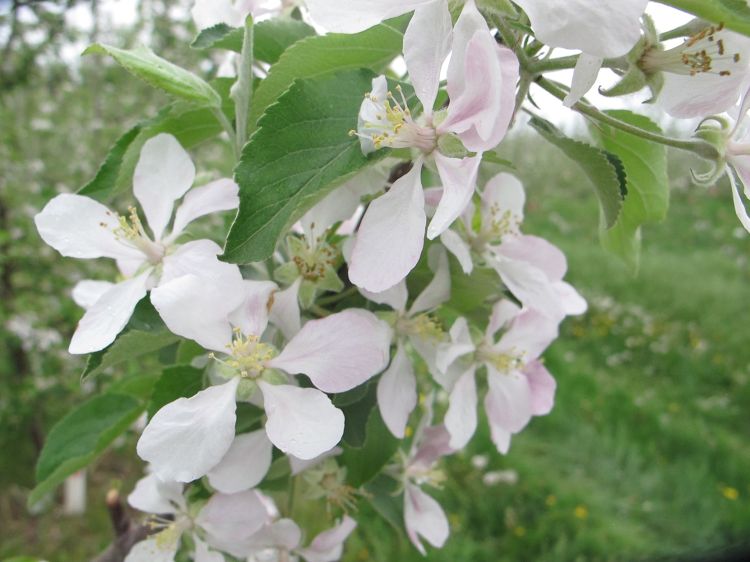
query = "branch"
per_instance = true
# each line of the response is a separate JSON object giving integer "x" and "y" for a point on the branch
{"x": 127, "y": 533}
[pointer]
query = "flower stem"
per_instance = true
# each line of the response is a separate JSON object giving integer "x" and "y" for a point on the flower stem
{"x": 228, "y": 128}
{"x": 242, "y": 92}
{"x": 699, "y": 147}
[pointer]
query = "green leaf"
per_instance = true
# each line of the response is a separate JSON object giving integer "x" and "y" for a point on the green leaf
{"x": 595, "y": 163}
{"x": 271, "y": 37}
{"x": 300, "y": 153}
{"x": 110, "y": 170}
{"x": 357, "y": 413}
{"x": 387, "y": 502}
{"x": 734, "y": 14}
{"x": 317, "y": 56}
{"x": 647, "y": 181}
{"x": 162, "y": 74}
{"x": 179, "y": 381}
{"x": 128, "y": 345}
{"x": 80, "y": 437}
{"x": 139, "y": 386}
{"x": 364, "y": 463}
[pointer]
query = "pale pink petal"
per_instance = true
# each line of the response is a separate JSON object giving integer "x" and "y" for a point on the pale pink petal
{"x": 358, "y": 15}
{"x": 508, "y": 400}
{"x": 163, "y": 174}
{"x": 300, "y": 465}
{"x": 338, "y": 352}
{"x": 503, "y": 196}
{"x": 461, "y": 417}
{"x": 329, "y": 545}
{"x": 203, "y": 554}
{"x": 79, "y": 227}
{"x": 155, "y": 496}
{"x": 283, "y": 534}
{"x": 87, "y": 292}
{"x": 427, "y": 42}
{"x": 606, "y": 28}
{"x": 528, "y": 284}
{"x": 395, "y": 297}
{"x": 108, "y": 316}
{"x": 572, "y": 302}
{"x": 397, "y": 393}
{"x": 584, "y": 77}
{"x": 739, "y": 205}
{"x": 219, "y": 195}
{"x": 438, "y": 290}
{"x": 459, "y": 178}
{"x": 244, "y": 465}
{"x": 424, "y": 518}
{"x": 301, "y": 421}
{"x": 459, "y": 345}
{"x": 285, "y": 313}
{"x": 537, "y": 251}
{"x": 188, "y": 437}
{"x": 391, "y": 236}
{"x": 157, "y": 548}
{"x": 500, "y": 437}
{"x": 469, "y": 22}
{"x": 459, "y": 248}
{"x": 543, "y": 388}
{"x": 432, "y": 443}
{"x": 251, "y": 317}
{"x": 502, "y": 312}
{"x": 531, "y": 332}
{"x": 231, "y": 520}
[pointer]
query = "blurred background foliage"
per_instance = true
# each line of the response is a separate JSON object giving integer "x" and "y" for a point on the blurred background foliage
{"x": 644, "y": 457}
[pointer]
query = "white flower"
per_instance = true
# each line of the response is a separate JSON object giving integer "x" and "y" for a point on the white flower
{"x": 80, "y": 227}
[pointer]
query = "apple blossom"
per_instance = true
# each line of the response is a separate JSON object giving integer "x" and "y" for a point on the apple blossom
{"x": 79, "y": 227}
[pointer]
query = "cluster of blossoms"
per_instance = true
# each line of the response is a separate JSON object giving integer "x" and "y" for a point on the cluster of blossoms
{"x": 331, "y": 312}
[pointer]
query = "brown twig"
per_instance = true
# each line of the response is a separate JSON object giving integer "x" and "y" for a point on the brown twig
{"x": 127, "y": 533}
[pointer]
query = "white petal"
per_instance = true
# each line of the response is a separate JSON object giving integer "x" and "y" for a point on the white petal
{"x": 188, "y": 437}
{"x": 459, "y": 178}
{"x": 108, "y": 316}
{"x": 508, "y": 400}
{"x": 543, "y": 386}
{"x": 328, "y": 545}
{"x": 79, "y": 227}
{"x": 301, "y": 421}
{"x": 528, "y": 284}
{"x": 203, "y": 554}
{"x": 208, "y": 13}
{"x": 244, "y": 465}
{"x": 459, "y": 345}
{"x": 163, "y": 174}
{"x": 197, "y": 310}
{"x": 397, "y": 393}
{"x": 606, "y": 28}
{"x": 199, "y": 257}
{"x": 469, "y": 22}
{"x": 427, "y": 42}
{"x": 155, "y": 496}
{"x": 531, "y": 332}
{"x": 395, "y": 297}
{"x": 572, "y": 302}
{"x": 439, "y": 289}
{"x": 584, "y": 77}
{"x": 300, "y": 465}
{"x": 424, "y": 518}
{"x": 502, "y": 313}
{"x": 87, "y": 292}
{"x": 503, "y": 194}
{"x": 338, "y": 352}
{"x": 231, "y": 520}
{"x": 739, "y": 205}
{"x": 252, "y": 315}
{"x": 459, "y": 248}
{"x": 219, "y": 195}
{"x": 282, "y": 534}
{"x": 391, "y": 236}
{"x": 358, "y": 15}
{"x": 461, "y": 417}
{"x": 285, "y": 313}
{"x": 153, "y": 549}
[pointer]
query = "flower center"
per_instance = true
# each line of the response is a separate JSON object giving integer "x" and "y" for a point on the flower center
{"x": 384, "y": 122}
{"x": 422, "y": 326}
{"x": 703, "y": 53}
{"x": 248, "y": 356}
{"x": 312, "y": 262}
{"x": 505, "y": 362}
{"x": 131, "y": 232}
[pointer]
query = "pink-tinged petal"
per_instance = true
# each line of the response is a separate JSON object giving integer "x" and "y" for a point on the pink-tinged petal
{"x": 397, "y": 393}
{"x": 157, "y": 497}
{"x": 424, "y": 518}
{"x": 108, "y": 316}
{"x": 282, "y": 534}
{"x": 197, "y": 310}
{"x": 438, "y": 290}
{"x": 584, "y": 77}
{"x": 427, "y": 42}
{"x": 500, "y": 437}
{"x": 301, "y": 421}
{"x": 461, "y": 417}
{"x": 459, "y": 248}
{"x": 329, "y": 545}
{"x": 531, "y": 332}
{"x": 433, "y": 443}
{"x": 572, "y": 302}
{"x": 219, "y": 195}
{"x": 157, "y": 548}
{"x": 508, "y": 400}
{"x": 685, "y": 96}
{"x": 163, "y": 174}
{"x": 203, "y": 554}
{"x": 285, "y": 313}
{"x": 502, "y": 313}
{"x": 459, "y": 345}
{"x": 79, "y": 227}
{"x": 503, "y": 200}
{"x": 459, "y": 178}
{"x": 300, "y": 465}
{"x": 391, "y": 236}
{"x": 87, "y": 292}
{"x": 244, "y": 465}
{"x": 739, "y": 205}
{"x": 358, "y": 15}
{"x": 231, "y": 520}
{"x": 395, "y": 297}
{"x": 188, "y": 437}
{"x": 251, "y": 317}
{"x": 468, "y": 24}
{"x": 606, "y": 28}
{"x": 528, "y": 284}
{"x": 537, "y": 251}
{"x": 543, "y": 388}
{"x": 338, "y": 352}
